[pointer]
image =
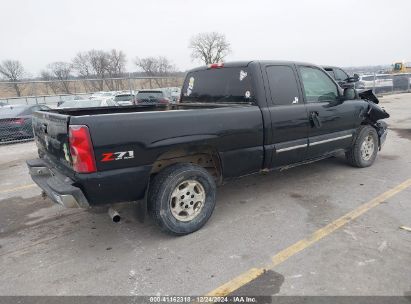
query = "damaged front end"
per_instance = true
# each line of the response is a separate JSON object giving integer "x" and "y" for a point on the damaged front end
{"x": 374, "y": 114}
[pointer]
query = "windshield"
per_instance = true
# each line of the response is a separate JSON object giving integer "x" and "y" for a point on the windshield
{"x": 218, "y": 85}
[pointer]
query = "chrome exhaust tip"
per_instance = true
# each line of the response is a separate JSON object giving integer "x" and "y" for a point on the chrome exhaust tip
{"x": 114, "y": 215}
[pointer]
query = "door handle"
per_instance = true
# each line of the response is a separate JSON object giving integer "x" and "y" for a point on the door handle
{"x": 314, "y": 116}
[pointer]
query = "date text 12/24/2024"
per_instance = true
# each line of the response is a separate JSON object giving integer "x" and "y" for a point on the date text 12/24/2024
{"x": 203, "y": 299}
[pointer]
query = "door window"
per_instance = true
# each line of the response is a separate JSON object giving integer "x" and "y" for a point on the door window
{"x": 283, "y": 85}
{"x": 330, "y": 72}
{"x": 318, "y": 87}
{"x": 340, "y": 75}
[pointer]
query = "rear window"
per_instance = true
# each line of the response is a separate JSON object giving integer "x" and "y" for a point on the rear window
{"x": 384, "y": 77}
{"x": 86, "y": 103}
{"x": 69, "y": 104}
{"x": 367, "y": 78}
{"x": 218, "y": 86}
{"x": 11, "y": 111}
{"x": 123, "y": 97}
{"x": 150, "y": 94}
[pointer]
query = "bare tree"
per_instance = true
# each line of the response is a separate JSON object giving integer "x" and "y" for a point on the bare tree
{"x": 101, "y": 65}
{"x": 51, "y": 82}
{"x": 116, "y": 68}
{"x": 13, "y": 71}
{"x": 90, "y": 64}
{"x": 209, "y": 47}
{"x": 60, "y": 71}
{"x": 82, "y": 66}
{"x": 156, "y": 67}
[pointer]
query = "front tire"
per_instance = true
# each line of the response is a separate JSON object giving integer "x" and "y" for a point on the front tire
{"x": 364, "y": 149}
{"x": 181, "y": 198}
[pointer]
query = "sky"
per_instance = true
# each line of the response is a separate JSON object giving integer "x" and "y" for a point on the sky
{"x": 342, "y": 33}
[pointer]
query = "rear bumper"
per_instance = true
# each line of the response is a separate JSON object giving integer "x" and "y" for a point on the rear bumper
{"x": 58, "y": 187}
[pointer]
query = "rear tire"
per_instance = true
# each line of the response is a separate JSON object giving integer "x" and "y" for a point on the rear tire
{"x": 364, "y": 149}
{"x": 181, "y": 198}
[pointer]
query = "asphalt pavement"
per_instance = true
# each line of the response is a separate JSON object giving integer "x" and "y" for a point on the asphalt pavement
{"x": 321, "y": 229}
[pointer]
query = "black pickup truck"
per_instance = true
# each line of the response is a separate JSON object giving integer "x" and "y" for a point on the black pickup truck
{"x": 233, "y": 119}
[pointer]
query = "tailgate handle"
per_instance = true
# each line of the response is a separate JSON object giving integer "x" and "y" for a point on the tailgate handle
{"x": 43, "y": 128}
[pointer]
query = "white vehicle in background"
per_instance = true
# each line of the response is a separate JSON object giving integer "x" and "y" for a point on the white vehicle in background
{"x": 125, "y": 98}
{"x": 88, "y": 103}
{"x": 383, "y": 81}
{"x": 366, "y": 82}
{"x": 380, "y": 81}
{"x": 175, "y": 94}
{"x": 172, "y": 93}
{"x": 103, "y": 95}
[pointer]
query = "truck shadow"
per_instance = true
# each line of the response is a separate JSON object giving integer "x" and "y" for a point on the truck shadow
{"x": 22, "y": 214}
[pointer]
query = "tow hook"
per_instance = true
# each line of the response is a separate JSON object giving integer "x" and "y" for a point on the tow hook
{"x": 114, "y": 215}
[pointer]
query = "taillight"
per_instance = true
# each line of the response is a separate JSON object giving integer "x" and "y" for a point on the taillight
{"x": 216, "y": 65}
{"x": 18, "y": 121}
{"x": 81, "y": 149}
{"x": 164, "y": 101}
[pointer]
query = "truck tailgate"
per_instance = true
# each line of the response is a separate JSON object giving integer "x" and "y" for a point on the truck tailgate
{"x": 51, "y": 136}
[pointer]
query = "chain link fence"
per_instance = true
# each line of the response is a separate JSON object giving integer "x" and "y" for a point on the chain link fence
{"x": 385, "y": 83}
{"x": 15, "y": 122}
{"x": 16, "y": 111}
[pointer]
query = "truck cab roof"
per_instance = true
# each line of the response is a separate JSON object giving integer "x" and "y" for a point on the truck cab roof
{"x": 245, "y": 63}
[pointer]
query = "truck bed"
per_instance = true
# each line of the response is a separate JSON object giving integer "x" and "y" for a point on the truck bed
{"x": 140, "y": 108}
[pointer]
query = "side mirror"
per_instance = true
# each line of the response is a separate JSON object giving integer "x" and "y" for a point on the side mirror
{"x": 349, "y": 94}
{"x": 354, "y": 78}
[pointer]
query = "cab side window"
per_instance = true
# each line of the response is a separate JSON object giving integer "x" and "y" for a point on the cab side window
{"x": 331, "y": 73}
{"x": 283, "y": 85}
{"x": 318, "y": 87}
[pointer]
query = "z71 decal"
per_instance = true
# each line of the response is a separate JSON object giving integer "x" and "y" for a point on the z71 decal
{"x": 111, "y": 156}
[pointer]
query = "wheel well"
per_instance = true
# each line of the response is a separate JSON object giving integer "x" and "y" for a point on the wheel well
{"x": 205, "y": 157}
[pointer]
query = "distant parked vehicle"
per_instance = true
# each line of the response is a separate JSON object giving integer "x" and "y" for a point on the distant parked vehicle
{"x": 401, "y": 82}
{"x": 366, "y": 82}
{"x": 341, "y": 77}
{"x": 15, "y": 121}
{"x": 379, "y": 82}
{"x": 88, "y": 103}
{"x": 74, "y": 97}
{"x": 125, "y": 99}
{"x": 102, "y": 95}
{"x": 175, "y": 94}
{"x": 149, "y": 97}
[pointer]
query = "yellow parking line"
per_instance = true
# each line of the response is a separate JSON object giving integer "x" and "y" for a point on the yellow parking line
{"x": 285, "y": 254}
{"x": 17, "y": 188}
